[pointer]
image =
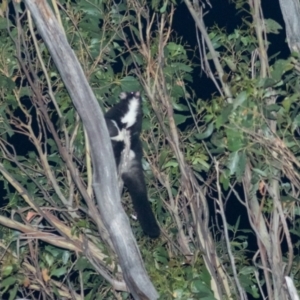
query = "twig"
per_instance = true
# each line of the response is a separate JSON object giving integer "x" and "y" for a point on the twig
{"x": 232, "y": 260}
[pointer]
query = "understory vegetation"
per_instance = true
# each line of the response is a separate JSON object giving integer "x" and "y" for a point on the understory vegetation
{"x": 222, "y": 171}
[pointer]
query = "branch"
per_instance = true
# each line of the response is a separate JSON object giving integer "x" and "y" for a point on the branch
{"x": 242, "y": 292}
{"x": 291, "y": 288}
{"x": 201, "y": 26}
{"x": 291, "y": 10}
{"x": 105, "y": 175}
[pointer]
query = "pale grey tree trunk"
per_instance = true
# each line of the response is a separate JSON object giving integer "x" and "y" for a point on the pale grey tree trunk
{"x": 291, "y": 15}
{"x": 104, "y": 177}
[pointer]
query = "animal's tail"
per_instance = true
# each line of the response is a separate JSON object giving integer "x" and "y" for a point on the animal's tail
{"x": 135, "y": 183}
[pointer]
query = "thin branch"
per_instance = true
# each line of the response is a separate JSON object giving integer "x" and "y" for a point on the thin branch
{"x": 242, "y": 292}
{"x": 201, "y": 26}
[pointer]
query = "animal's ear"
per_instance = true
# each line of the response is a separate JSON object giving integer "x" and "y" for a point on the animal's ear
{"x": 137, "y": 94}
{"x": 123, "y": 96}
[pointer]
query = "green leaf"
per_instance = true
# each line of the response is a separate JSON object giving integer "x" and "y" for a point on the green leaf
{"x": 161, "y": 255}
{"x": 178, "y": 294}
{"x": 247, "y": 270}
{"x": 180, "y": 107}
{"x": 296, "y": 122}
{"x": 59, "y": 272}
{"x": 223, "y": 118}
{"x": 154, "y": 4}
{"x": 272, "y": 26}
{"x": 181, "y": 67}
{"x": 130, "y": 84}
{"x": 286, "y": 103}
{"x": 13, "y": 292}
{"x": 179, "y": 119}
{"x": 240, "y": 99}
{"x": 25, "y": 91}
{"x": 6, "y": 82}
{"x": 273, "y": 107}
{"x": 279, "y": 68}
{"x": 270, "y": 111}
{"x": 7, "y": 283}
{"x": 260, "y": 172}
{"x": 237, "y": 224}
{"x": 233, "y": 161}
{"x": 5, "y": 23}
{"x": 162, "y": 157}
{"x": 175, "y": 49}
{"x": 267, "y": 82}
{"x": 205, "y": 276}
{"x": 200, "y": 288}
{"x": 241, "y": 165}
{"x": 65, "y": 256}
{"x": 171, "y": 163}
{"x": 164, "y": 7}
{"x": 82, "y": 264}
{"x": 231, "y": 64}
{"x": 146, "y": 125}
{"x": 138, "y": 58}
{"x": 6, "y": 270}
{"x": 207, "y": 133}
{"x": 49, "y": 259}
{"x": 235, "y": 140}
{"x": 224, "y": 179}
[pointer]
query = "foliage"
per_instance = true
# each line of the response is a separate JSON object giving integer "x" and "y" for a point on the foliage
{"x": 210, "y": 164}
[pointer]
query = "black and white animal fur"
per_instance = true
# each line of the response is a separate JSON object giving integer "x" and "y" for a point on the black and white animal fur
{"x": 127, "y": 114}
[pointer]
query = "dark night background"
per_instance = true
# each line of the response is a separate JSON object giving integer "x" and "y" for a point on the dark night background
{"x": 226, "y": 16}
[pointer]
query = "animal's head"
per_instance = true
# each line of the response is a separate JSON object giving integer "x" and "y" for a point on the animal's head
{"x": 129, "y": 95}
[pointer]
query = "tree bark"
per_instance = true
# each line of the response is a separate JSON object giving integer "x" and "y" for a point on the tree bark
{"x": 105, "y": 176}
{"x": 291, "y": 11}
